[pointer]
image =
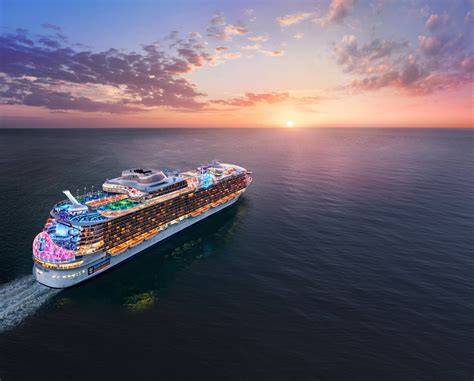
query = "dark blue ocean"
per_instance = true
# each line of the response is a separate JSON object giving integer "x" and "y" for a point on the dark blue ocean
{"x": 350, "y": 257}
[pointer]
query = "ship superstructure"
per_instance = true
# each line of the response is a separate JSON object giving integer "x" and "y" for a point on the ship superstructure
{"x": 88, "y": 234}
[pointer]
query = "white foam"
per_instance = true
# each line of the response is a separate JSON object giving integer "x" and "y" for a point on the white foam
{"x": 20, "y": 299}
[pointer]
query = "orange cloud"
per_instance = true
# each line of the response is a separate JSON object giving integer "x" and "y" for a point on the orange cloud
{"x": 293, "y": 18}
{"x": 252, "y": 99}
{"x": 232, "y": 56}
{"x": 273, "y": 53}
{"x": 261, "y": 38}
{"x": 251, "y": 47}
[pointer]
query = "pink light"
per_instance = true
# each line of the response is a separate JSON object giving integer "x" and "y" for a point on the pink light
{"x": 45, "y": 249}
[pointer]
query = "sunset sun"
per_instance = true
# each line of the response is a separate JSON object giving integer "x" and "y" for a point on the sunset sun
{"x": 289, "y": 123}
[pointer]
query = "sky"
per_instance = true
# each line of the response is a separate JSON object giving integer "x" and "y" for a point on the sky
{"x": 322, "y": 63}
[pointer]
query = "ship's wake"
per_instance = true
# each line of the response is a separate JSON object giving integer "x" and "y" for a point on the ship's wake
{"x": 20, "y": 299}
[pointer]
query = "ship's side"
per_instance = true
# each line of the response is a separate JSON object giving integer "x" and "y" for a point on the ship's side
{"x": 90, "y": 234}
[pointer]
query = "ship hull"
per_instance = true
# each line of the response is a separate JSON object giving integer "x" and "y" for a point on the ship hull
{"x": 67, "y": 278}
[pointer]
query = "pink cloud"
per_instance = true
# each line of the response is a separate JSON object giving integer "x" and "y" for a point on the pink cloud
{"x": 413, "y": 79}
{"x": 441, "y": 63}
{"x": 337, "y": 12}
{"x": 466, "y": 64}
{"x": 431, "y": 45}
{"x": 366, "y": 58}
{"x": 436, "y": 21}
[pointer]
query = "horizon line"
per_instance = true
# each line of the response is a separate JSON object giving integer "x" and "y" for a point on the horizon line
{"x": 235, "y": 128}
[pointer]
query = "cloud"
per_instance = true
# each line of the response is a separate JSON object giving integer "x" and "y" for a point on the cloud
{"x": 337, "y": 12}
{"x": 226, "y": 33}
{"x": 408, "y": 76}
{"x": 191, "y": 49}
{"x": 194, "y": 57}
{"x": 410, "y": 73}
{"x": 414, "y": 82}
{"x": 252, "y": 99}
{"x": 441, "y": 63}
{"x": 221, "y": 30}
{"x": 466, "y": 64}
{"x": 258, "y": 48}
{"x": 273, "y": 53}
{"x": 49, "y": 42}
{"x": 221, "y": 56}
{"x": 366, "y": 58}
{"x": 21, "y": 35}
{"x": 218, "y": 19}
{"x": 443, "y": 44}
{"x": 232, "y": 56}
{"x": 339, "y": 9}
{"x": 40, "y": 96}
{"x": 293, "y": 18}
{"x": 49, "y": 74}
{"x": 431, "y": 45}
{"x": 47, "y": 25}
{"x": 436, "y": 21}
{"x": 235, "y": 30}
{"x": 251, "y": 47}
{"x": 261, "y": 38}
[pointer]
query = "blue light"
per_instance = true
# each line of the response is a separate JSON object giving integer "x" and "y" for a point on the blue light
{"x": 62, "y": 230}
{"x": 206, "y": 180}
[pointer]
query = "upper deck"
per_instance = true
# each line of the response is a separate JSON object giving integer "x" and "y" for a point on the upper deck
{"x": 136, "y": 189}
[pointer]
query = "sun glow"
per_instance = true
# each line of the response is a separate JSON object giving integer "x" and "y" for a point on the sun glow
{"x": 289, "y": 123}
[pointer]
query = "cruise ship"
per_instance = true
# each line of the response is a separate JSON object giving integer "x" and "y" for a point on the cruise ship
{"x": 88, "y": 234}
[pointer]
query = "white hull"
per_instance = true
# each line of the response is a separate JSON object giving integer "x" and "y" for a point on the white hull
{"x": 67, "y": 278}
